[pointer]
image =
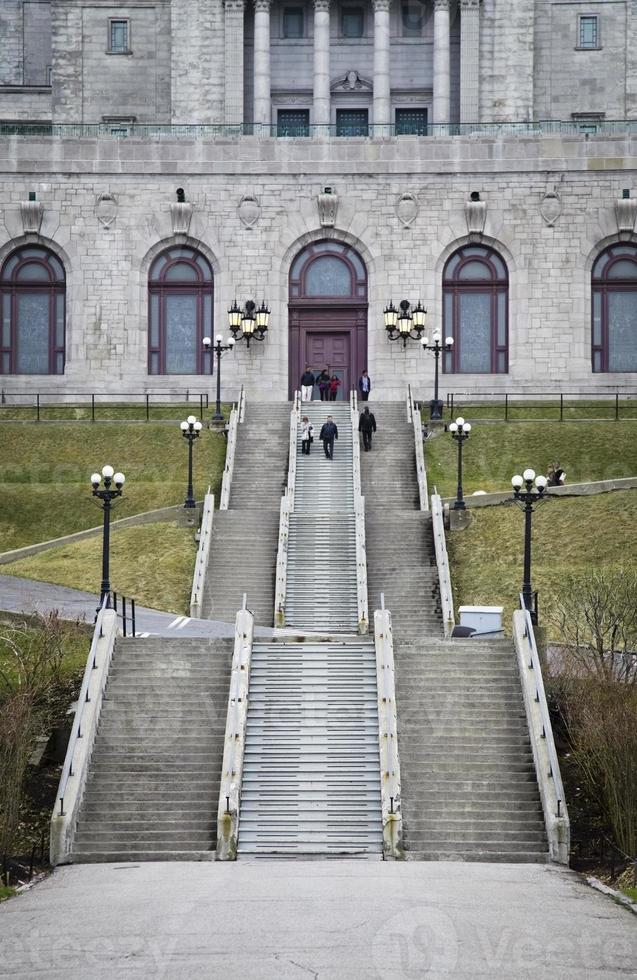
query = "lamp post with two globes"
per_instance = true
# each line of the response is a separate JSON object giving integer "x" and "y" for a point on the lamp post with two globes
{"x": 218, "y": 348}
{"x": 460, "y": 431}
{"x": 107, "y": 486}
{"x": 436, "y": 348}
{"x": 190, "y": 430}
{"x": 527, "y": 497}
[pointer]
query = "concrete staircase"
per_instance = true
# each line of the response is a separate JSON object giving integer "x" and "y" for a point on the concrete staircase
{"x": 311, "y": 782}
{"x": 469, "y": 789}
{"x": 153, "y": 784}
{"x": 401, "y": 560}
{"x": 245, "y": 537}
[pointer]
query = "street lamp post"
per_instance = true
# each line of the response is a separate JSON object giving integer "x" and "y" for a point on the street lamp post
{"x": 218, "y": 348}
{"x": 190, "y": 430}
{"x": 460, "y": 431}
{"x": 106, "y": 494}
{"x": 436, "y": 348}
{"x": 528, "y": 499}
{"x": 249, "y": 323}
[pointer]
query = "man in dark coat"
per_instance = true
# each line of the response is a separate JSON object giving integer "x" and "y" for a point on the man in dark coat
{"x": 367, "y": 425}
{"x": 364, "y": 385}
{"x": 307, "y": 384}
{"x": 329, "y": 433}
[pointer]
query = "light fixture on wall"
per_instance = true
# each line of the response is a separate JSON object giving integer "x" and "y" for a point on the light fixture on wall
{"x": 406, "y": 323}
{"x": 249, "y": 323}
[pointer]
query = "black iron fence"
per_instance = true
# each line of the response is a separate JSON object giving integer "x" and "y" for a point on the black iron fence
{"x": 544, "y": 406}
{"x": 69, "y": 406}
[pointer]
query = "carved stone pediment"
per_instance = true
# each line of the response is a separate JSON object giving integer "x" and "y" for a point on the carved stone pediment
{"x": 625, "y": 213}
{"x": 180, "y": 217}
{"x": 32, "y": 213}
{"x": 327, "y": 207}
{"x": 406, "y": 209}
{"x": 551, "y": 206}
{"x": 249, "y": 210}
{"x": 351, "y": 81}
{"x": 106, "y": 210}
{"x": 475, "y": 212}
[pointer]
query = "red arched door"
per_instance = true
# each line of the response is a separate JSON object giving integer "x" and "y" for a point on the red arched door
{"x": 328, "y": 314}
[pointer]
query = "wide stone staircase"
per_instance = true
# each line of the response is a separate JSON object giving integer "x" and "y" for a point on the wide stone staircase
{"x": 153, "y": 783}
{"x": 245, "y": 537}
{"x": 311, "y": 780}
{"x": 469, "y": 789}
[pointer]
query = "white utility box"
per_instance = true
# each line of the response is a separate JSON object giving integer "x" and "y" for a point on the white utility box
{"x": 482, "y": 619}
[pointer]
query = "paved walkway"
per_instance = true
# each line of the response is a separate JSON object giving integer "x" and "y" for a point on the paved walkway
{"x": 333, "y": 920}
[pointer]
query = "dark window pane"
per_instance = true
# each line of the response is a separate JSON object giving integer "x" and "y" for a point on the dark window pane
{"x": 181, "y": 334}
{"x": 502, "y": 321}
{"x": 597, "y": 319}
{"x": 181, "y": 272}
{"x": 622, "y": 269}
{"x": 33, "y": 272}
{"x": 588, "y": 33}
{"x": 475, "y": 270}
{"x": 157, "y": 266}
{"x": 622, "y": 330}
{"x": 352, "y": 21}
{"x": 56, "y": 266}
{"x": 351, "y": 122}
{"x": 59, "y": 320}
{"x": 411, "y": 122}
{"x": 328, "y": 276}
{"x": 293, "y": 22}
{"x": 413, "y": 18}
{"x": 204, "y": 265}
{"x": 154, "y": 363}
{"x": 474, "y": 333}
{"x": 32, "y": 340}
{"x": 119, "y": 36}
{"x": 6, "y": 320}
{"x": 154, "y": 320}
{"x": 293, "y": 122}
{"x": 9, "y": 266}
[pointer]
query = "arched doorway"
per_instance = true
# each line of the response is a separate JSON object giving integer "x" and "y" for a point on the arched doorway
{"x": 328, "y": 314}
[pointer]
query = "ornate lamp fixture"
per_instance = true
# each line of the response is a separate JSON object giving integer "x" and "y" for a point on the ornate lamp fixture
{"x": 407, "y": 324}
{"x": 249, "y": 323}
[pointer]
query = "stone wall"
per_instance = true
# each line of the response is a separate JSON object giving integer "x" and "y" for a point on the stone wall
{"x": 197, "y": 65}
{"x": 37, "y": 42}
{"x": 107, "y": 265}
{"x": 11, "y": 57}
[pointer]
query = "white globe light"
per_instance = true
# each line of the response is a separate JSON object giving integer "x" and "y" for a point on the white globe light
{"x": 95, "y": 479}
{"x": 467, "y": 427}
{"x": 107, "y": 472}
{"x": 183, "y": 426}
{"x": 541, "y": 482}
{"x": 120, "y": 479}
{"x": 453, "y": 427}
{"x": 198, "y": 426}
{"x": 206, "y": 341}
{"x": 437, "y": 337}
{"x": 517, "y": 482}
{"x": 219, "y": 338}
{"x": 449, "y": 341}
{"x": 424, "y": 341}
{"x": 529, "y": 475}
{"x": 460, "y": 420}
{"x": 231, "y": 341}
{"x": 191, "y": 419}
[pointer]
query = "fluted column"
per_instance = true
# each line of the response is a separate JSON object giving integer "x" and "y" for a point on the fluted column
{"x": 321, "y": 114}
{"x": 262, "y": 110}
{"x": 469, "y": 58}
{"x": 233, "y": 23}
{"x": 382, "y": 88}
{"x": 442, "y": 70}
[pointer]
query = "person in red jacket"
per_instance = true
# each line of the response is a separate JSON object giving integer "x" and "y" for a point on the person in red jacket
{"x": 334, "y": 384}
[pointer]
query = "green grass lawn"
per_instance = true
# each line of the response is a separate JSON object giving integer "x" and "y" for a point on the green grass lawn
{"x": 45, "y": 469}
{"x": 152, "y": 563}
{"x": 6, "y": 893}
{"x": 495, "y": 452}
{"x": 569, "y": 535}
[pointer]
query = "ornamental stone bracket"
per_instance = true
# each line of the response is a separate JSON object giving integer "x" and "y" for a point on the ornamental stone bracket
{"x": 551, "y": 206}
{"x": 249, "y": 211}
{"x": 32, "y": 212}
{"x": 327, "y": 207}
{"x": 626, "y": 212}
{"x": 180, "y": 217}
{"x": 407, "y": 209}
{"x": 106, "y": 210}
{"x": 475, "y": 212}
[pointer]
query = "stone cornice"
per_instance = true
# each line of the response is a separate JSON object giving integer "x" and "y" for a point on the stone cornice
{"x": 263, "y": 5}
{"x": 234, "y": 6}
{"x": 441, "y": 5}
{"x": 322, "y": 5}
{"x": 381, "y": 5}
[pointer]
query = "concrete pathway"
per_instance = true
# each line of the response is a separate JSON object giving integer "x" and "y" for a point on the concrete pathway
{"x": 333, "y": 920}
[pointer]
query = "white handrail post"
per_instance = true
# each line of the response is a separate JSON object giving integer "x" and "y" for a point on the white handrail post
{"x": 442, "y": 561}
{"x": 388, "y": 736}
{"x": 203, "y": 556}
{"x": 359, "y": 517}
{"x": 421, "y": 472}
{"x": 287, "y": 506}
{"x": 226, "y": 483}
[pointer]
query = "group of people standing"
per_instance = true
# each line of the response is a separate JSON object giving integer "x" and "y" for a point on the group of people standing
{"x": 328, "y": 388}
{"x": 328, "y": 385}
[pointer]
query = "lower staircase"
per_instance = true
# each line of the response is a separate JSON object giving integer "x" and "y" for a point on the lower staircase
{"x": 153, "y": 784}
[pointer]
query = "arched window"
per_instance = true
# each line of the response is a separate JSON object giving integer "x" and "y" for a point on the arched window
{"x": 32, "y": 317}
{"x": 614, "y": 332}
{"x": 475, "y": 286}
{"x": 328, "y": 271}
{"x": 179, "y": 312}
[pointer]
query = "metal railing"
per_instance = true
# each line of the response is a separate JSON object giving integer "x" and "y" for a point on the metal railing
{"x": 234, "y": 743}
{"x": 421, "y": 473}
{"x": 419, "y": 130}
{"x": 242, "y": 405}
{"x": 203, "y": 556}
{"x": 359, "y": 516}
{"x": 388, "y": 734}
{"x": 617, "y": 403}
{"x": 228, "y": 471}
{"x": 125, "y": 608}
{"x": 78, "y": 406}
{"x": 442, "y": 561}
{"x": 287, "y": 506}
{"x": 80, "y": 746}
{"x": 541, "y": 734}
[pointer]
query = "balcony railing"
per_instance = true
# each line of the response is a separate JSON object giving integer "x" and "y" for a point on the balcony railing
{"x": 151, "y": 131}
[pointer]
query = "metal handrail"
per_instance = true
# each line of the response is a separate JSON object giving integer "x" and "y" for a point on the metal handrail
{"x": 242, "y": 404}
{"x": 287, "y": 506}
{"x": 83, "y": 699}
{"x": 203, "y": 556}
{"x": 540, "y": 698}
{"x": 442, "y": 561}
{"x": 38, "y": 401}
{"x": 388, "y": 734}
{"x": 228, "y": 470}
{"x": 421, "y": 472}
{"x": 359, "y": 518}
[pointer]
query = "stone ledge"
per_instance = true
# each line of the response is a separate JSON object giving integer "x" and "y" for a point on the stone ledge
{"x": 575, "y": 490}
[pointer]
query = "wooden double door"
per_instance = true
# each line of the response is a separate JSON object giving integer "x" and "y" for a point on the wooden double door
{"x": 332, "y": 338}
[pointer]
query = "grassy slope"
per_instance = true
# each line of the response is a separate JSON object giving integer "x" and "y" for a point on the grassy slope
{"x": 569, "y": 535}
{"x": 153, "y": 563}
{"x": 494, "y": 452}
{"x": 45, "y": 470}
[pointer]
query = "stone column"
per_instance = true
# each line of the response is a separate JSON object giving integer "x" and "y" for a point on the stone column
{"x": 469, "y": 59}
{"x": 442, "y": 70}
{"x": 233, "y": 20}
{"x": 382, "y": 101}
{"x": 262, "y": 109}
{"x": 321, "y": 114}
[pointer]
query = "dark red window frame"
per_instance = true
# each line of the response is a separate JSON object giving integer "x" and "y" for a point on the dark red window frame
{"x": 334, "y": 249}
{"x": 602, "y": 285}
{"x": 12, "y": 288}
{"x": 160, "y": 286}
{"x": 496, "y": 285}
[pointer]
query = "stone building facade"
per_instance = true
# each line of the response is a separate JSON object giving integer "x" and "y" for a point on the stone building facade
{"x": 161, "y": 158}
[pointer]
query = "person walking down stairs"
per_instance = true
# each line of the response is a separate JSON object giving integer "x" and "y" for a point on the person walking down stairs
{"x": 329, "y": 432}
{"x": 367, "y": 425}
{"x": 307, "y": 435}
{"x": 307, "y": 385}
